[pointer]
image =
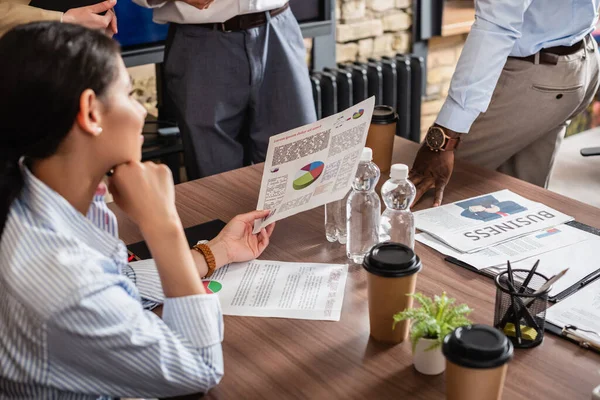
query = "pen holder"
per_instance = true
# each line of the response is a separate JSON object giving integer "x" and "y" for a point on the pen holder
{"x": 521, "y": 313}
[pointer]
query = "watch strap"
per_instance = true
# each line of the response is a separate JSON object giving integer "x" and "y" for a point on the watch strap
{"x": 451, "y": 143}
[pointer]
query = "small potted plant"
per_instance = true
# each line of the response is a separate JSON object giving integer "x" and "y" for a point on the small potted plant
{"x": 430, "y": 323}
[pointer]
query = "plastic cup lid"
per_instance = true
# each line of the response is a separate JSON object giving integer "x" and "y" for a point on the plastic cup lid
{"x": 477, "y": 346}
{"x": 399, "y": 171}
{"x": 367, "y": 154}
{"x": 383, "y": 115}
{"x": 392, "y": 260}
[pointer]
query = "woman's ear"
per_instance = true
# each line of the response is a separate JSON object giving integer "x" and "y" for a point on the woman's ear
{"x": 89, "y": 117}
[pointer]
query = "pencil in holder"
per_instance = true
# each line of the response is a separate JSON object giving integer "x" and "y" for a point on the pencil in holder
{"x": 521, "y": 311}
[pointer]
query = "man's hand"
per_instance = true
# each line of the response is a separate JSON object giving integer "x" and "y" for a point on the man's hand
{"x": 199, "y": 4}
{"x": 90, "y": 18}
{"x": 431, "y": 170}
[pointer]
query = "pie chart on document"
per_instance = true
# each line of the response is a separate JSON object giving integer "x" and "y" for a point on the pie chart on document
{"x": 212, "y": 286}
{"x": 308, "y": 175}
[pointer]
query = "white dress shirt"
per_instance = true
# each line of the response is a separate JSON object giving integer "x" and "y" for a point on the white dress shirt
{"x": 219, "y": 11}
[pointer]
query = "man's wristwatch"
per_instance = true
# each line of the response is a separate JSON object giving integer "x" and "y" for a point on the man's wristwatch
{"x": 437, "y": 139}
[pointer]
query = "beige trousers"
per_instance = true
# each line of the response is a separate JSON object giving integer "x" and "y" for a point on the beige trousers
{"x": 529, "y": 112}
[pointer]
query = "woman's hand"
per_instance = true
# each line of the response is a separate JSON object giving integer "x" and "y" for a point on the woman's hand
{"x": 236, "y": 243}
{"x": 145, "y": 191}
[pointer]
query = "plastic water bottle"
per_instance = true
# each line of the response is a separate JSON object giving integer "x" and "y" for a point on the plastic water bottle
{"x": 397, "y": 221}
{"x": 363, "y": 209}
{"x": 335, "y": 220}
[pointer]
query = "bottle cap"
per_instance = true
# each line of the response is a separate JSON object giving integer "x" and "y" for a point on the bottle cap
{"x": 383, "y": 115}
{"x": 367, "y": 154}
{"x": 399, "y": 171}
{"x": 477, "y": 346}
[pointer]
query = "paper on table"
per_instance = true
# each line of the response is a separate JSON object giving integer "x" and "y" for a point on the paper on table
{"x": 277, "y": 289}
{"x": 581, "y": 259}
{"x": 313, "y": 165}
{"x": 579, "y": 256}
{"x": 514, "y": 250}
{"x": 480, "y": 222}
{"x": 582, "y": 310}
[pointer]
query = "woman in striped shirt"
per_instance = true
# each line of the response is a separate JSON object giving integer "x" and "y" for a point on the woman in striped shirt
{"x": 72, "y": 323}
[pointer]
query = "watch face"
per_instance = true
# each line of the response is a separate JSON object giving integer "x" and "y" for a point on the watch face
{"x": 435, "y": 138}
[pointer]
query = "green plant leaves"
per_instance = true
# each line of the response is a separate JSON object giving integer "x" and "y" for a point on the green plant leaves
{"x": 435, "y": 318}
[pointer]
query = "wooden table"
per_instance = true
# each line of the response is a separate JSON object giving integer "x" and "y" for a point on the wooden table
{"x": 268, "y": 358}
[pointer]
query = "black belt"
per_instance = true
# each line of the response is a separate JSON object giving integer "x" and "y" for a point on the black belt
{"x": 551, "y": 55}
{"x": 246, "y": 21}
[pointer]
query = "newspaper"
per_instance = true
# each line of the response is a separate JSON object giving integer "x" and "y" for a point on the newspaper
{"x": 313, "y": 165}
{"x": 480, "y": 222}
{"x": 534, "y": 244}
{"x": 556, "y": 248}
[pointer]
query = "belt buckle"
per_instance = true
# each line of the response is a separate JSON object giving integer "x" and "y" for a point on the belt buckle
{"x": 224, "y": 29}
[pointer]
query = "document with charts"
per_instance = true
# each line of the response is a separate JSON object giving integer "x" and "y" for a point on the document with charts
{"x": 278, "y": 289}
{"x": 313, "y": 165}
{"x": 480, "y": 222}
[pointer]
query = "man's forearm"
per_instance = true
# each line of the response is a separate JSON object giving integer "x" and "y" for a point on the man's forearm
{"x": 15, "y": 13}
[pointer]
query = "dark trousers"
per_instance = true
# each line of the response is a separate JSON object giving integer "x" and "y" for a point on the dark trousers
{"x": 234, "y": 90}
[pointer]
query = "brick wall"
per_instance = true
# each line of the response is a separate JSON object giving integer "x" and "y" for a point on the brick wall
{"x": 372, "y": 28}
{"x": 441, "y": 62}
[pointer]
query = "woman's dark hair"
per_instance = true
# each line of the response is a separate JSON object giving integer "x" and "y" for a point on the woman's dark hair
{"x": 44, "y": 69}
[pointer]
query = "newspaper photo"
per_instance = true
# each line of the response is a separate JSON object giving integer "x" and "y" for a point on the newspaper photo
{"x": 480, "y": 222}
{"x": 313, "y": 165}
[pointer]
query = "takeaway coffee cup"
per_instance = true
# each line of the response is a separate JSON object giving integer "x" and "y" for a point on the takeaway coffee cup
{"x": 381, "y": 136}
{"x": 477, "y": 359}
{"x": 391, "y": 276}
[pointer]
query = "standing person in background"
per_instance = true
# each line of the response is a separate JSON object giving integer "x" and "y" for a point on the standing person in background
{"x": 16, "y": 12}
{"x": 528, "y": 67}
{"x": 236, "y": 71}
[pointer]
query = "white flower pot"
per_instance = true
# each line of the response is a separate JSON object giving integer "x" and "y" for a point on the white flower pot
{"x": 430, "y": 362}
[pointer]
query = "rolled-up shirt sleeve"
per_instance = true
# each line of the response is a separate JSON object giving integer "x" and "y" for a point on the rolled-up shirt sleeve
{"x": 105, "y": 342}
{"x": 497, "y": 26}
{"x": 145, "y": 276}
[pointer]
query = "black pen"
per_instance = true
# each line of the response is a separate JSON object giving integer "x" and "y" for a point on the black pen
{"x": 460, "y": 263}
{"x": 529, "y": 276}
{"x": 513, "y": 300}
{"x": 589, "y": 278}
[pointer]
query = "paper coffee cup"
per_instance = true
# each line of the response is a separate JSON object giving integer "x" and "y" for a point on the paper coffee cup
{"x": 381, "y": 136}
{"x": 477, "y": 359}
{"x": 391, "y": 276}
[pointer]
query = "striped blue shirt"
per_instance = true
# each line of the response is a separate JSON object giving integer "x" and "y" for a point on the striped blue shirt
{"x": 72, "y": 324}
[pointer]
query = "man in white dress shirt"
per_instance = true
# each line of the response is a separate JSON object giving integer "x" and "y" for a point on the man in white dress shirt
{"x": 237, "y": 74}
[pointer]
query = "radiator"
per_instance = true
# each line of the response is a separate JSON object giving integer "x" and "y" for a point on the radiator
{"x": 394, "y": 81}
